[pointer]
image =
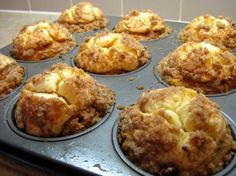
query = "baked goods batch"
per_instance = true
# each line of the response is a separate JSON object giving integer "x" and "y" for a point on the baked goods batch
{"x": 168, "y": 131}
{"x": 143, "y": 25}
{"x": 82, "y": 17}
{"x": 11, "y": 75}
{"x": 176, "y": 131}
{"x": 201, "y": 66}
{"x": 220, "y": 31}
{"x": 42, "y": 41}
{"x": 61, "y": 101}
{"x": 111, "y": 53}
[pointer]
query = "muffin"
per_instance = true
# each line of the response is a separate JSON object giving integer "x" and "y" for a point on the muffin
{"x": 11, "y": 75}
{"x": 61, "y": 101}
{"x": 176, "y": 131}
{"x": 83, "y": 17}
{"x": 220, "y": 31}
{"x": 143, "y": 25}
{"x": 201, "y": 66}
{"x": 111, "y": 53}
{"x": 41, "y": 41}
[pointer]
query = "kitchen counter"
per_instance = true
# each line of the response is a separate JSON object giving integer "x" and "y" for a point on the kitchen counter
{"x": 10, "y": 24}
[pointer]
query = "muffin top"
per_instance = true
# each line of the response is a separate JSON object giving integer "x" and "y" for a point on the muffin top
{"x": 202, "y": 66}
{"x": 41, "y": 41}
{"x": 143, "y": 25}
{"x": 176, "y": 131}
{"x": 111, "y": 53}
{"x": 11, "y": 75}
{"x": 61, "y": 101}
{"x": 220, "y": 31}
{"x": 82, "y": 17}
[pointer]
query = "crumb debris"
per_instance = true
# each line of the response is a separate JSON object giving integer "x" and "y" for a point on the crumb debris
{"x": 140, "y": 87}
{"x": 131, "y": 78}
{"x": 120, "y": 107}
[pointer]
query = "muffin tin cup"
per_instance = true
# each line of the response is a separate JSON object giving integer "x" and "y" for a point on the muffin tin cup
{"x": 72, "y": 62}
{"x": 119, "y": 151}
{"x": 208, "y": 95}
{"x": 121, "y": 154}
{"x": 10, "y": 118}
{"x": 37, "y": 61}
{"x": 8, "y": 48}
{"x": 18, "y": 87}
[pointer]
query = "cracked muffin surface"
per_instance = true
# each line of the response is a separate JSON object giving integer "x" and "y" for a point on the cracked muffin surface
{"x": 61, "y": 101}
{"x": 220, "y": 31}
{"x": 176, "y": 131}
{"x": 111, "y": 53}
{"x": 11, "y": 75}
{"x": 143, "y": 25}
{"x": 41, "y": 41}
{"x": 201, "y": 66}
{"x": 82, "y": 17}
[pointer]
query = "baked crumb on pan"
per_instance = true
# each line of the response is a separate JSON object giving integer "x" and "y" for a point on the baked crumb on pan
{"x": 201, "y": 66}
{"x": 11, "y": 75}
{"x": 120, "y": 107}
{"x": 221, "y": 31}
{"x": 41, "y": 41}
{"x": 82, "y": 17}
{"x": 61, "y": 101}
{"x": 111, "y": 53}
{"x": 176, "y": 131}
{"x": 143, "y": 25}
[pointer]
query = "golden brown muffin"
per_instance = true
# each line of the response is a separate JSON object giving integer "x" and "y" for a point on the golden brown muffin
{"x": 221, "y": 31}
{"x": 144, "y": 25}
{"x": 11, "y": 75}
{"x": 176, "y": 131}
{"x": 61, "y": 101}
{"x": 200, "y": 66}
{"x": 83, "y": 17}
{"x": 111, "y": 53}
{"x": 42, "y": 41}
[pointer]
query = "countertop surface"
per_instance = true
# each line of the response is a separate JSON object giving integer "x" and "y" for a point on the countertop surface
{"x": 10, "y": 24}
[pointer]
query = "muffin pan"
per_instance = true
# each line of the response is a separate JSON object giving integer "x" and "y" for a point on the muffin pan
{"x": 94, "y": 151}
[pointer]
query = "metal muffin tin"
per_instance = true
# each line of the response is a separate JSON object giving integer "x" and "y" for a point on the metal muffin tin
{"x": 95, "y": 152}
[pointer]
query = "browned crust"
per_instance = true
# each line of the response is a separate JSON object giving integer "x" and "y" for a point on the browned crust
{"x": 61, "y": 101}
{"x": 201, "y": 145}
{"x": 76, "y": 22}
{"x": 199, "y": 70}
{"x": 224, "y": 35}
{"x": 36, "y": 45}
{"x": 160, "y": 32}
{"x": 81, "y": 27}
{"x": 11, "y": 75}
{"x": 120, "y": 54}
